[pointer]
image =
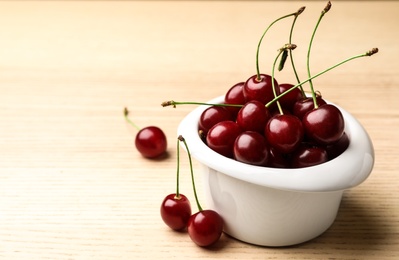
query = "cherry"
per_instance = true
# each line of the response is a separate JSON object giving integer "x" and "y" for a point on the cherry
{"x": 176, "y": 208}
{"x": 288, "y": 101}
{"x": 150, "y": 141}
{"x": 253, "y": 116}
{"x": 251, "y": 147}
{"x": 176, "y": 211}
{"x": 324, "y": 125}
{"x": 221, "y": 137}
{"x": 259, "y": 87}
{"x": 307, "y": 156}
{"x": 213, "y": 115}
{"x": 302, "y": 106}
{"x": 235, "y": 95}
{"x": 335, "y": 149}
{"x": 284, "y": 133}
{"x": 206, "y": 226}
{"x": 278, "y": 160}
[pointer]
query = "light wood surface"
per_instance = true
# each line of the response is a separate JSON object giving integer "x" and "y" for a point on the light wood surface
{"x": 73, "y": 186}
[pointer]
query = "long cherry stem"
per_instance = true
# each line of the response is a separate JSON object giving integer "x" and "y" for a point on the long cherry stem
{"x": 290, "y": 53}
{"x": 280, "y": 51}
{"x": 192, "y": 172}
{"x": 126, "y": 113}
{"x": 175, "y": 103}
{"x": 263, "y": 35}
{"x": 178, "y": 171}
{"x": 325, "y": 10}
{"x": 368, "y": 53}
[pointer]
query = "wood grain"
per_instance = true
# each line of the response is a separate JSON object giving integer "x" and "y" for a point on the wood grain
{"x": 72, "y": 185}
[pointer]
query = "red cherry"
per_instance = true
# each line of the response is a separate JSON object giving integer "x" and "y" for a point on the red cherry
{"x": 284, "y": 133}
{"x": 176, "y": 211}
{"x": 260, "y": 88}
{"x": 336, "y": 149}
{"x": 213, "y": 115}
{"x": 151, "y": 142}
{"x": 221, "y": 137}
{"x": 288, "y": 100}
{"x": 253, "y": 116}
{"x": 205, "y": 227}
{"x": 324, "y": 125}
{"x": 278, "y": 160}
{"x": 301, "y": 107}
{"x": 235, "y": 96}
{"x": 251, "y": 147}
{"x": 308, "y": 156}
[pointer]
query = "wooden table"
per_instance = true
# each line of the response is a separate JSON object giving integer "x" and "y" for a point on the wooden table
{"x": 73, "y": 186}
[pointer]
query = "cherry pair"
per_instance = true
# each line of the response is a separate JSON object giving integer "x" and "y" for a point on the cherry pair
{"x": 204, "y": 227}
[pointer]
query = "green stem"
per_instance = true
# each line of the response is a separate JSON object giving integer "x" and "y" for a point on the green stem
{"x": 178, "y": 171}
{"x": 280, "y": 51}
{"x": 126, "y": 113}
{"x": 263, "y": 35}
{"x": 369, "y": 53}
{"x": 325, "y": 10}
{"x": 175, "y": 103}
{"x": 192, "y": 172}
{"x": 291, "y": 56}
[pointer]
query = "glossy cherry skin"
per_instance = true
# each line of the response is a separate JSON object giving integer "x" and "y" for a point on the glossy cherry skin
{"x": 235, "y": 96}
{"x": 288, "y": 100}
{"x": 213, "y": 115}
{"x": 251, "y": 148}
{"x": 176, "y": 211}
{"x": 308, "y": 156}
{"x": 284, "y": 133}
{"x": 221, "y": 137}
{"x": 253, "y": 116}
{"x": 151, "y": 142}
{"x": 324, "y": 125}
{"x": 336, "y": 149}
{"x": 205, "y": 227}
{"x": 301, "y": 107}
{"x": 260, "y": 89}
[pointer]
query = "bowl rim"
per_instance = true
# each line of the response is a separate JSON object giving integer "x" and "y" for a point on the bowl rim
{"x": 343, "y": 172}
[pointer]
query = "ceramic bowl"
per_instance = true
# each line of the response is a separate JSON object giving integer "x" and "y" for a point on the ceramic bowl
{"x": 278, "y": 207}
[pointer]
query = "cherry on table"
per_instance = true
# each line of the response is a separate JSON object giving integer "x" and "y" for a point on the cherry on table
{"x": 176, "y": 211}
{"x": 150, "y": 141}
{"x": 205, "y": 227}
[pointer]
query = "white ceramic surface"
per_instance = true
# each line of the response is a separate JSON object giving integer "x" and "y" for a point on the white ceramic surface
{"x": 278, "y": 207}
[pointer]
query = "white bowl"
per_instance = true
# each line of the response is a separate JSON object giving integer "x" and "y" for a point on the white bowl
{"x": 278, "y": 207}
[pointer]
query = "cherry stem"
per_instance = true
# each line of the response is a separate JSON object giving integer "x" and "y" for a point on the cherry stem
{"x": 126, "y": 114}
{"x": 192, "y": 172}
{"x": 325, "y": 10}
{"x": 175, "y": 103}
{"x": 290, "y": 51}
{"x": 178, "y": 171}
{"x": 263, "y": 35}
{"x": 368, "y": 53}
{"x": 280, "y": 51}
